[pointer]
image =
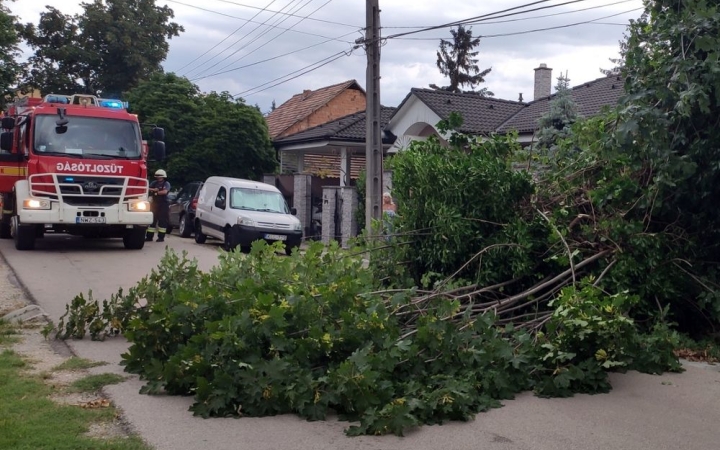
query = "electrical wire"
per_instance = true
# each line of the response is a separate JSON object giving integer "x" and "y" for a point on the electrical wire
{"x": 314, "y": 19}
{"x": 272, "y": 39}
{"x": 491, "y": 21}
{"x": 484, "y": 16}
{"x": 269, "y": 59}
{"x": 226, "y": 37}
{"x": 246, "y": 20}
{"x": 477, "y": 19}
{"x": 297, "y": 73}
{"x": 248, "y": 34}
{"x": 586, "y": 22}
{"x": 561, "y": 26}
{"x": 551, "y": 15}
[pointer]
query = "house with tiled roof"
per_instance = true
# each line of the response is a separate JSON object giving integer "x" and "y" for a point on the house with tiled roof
{"x": 422, "y": 109}
{"x": 418, "y": 114}
{"x": 310, "y": 109}
{"x": 320, "y": 147}
{"x": 314, "y": 107}
{"x": 590, "y": 98}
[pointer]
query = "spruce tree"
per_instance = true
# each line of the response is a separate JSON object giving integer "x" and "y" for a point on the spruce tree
{"x": 557, "y": 123}
{"x": 457, "y": 61}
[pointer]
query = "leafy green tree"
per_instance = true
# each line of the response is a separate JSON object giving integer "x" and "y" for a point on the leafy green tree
{"x": 59, "y": 60}
{"x": 206, "y": 134}
{"x": 457, "y": 61}
{"x": 108, "y": 49}
{"x": 669, "y": 129}
{"x": 170, "y": 102}
{"x": 10, "y": 67}
{"x": 557, "y": 123}
{"x": 231, "y": 139}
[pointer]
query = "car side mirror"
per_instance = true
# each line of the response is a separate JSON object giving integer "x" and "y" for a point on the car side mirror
{"x": 158, "y": 150}
{"x": 293, "y": 211}
{"x": 6, "y": 141}
{"x": 158, "y": 134}
{"x": 8, "y": 123}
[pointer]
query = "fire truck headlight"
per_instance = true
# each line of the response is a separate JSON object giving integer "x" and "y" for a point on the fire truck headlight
{"x": 34, "y": 203}
{"x": 140, "y": 206}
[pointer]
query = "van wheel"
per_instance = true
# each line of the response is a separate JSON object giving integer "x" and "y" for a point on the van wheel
{"x": 134, "y": 238}
{"x": 200, "y": 238}
{"x": 24, "y": 236}
{"x": 229, "y": 244}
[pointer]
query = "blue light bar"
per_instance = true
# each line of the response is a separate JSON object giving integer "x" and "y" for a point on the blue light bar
{"x": 111, "y": 103}
{"x": 52, "y": 98}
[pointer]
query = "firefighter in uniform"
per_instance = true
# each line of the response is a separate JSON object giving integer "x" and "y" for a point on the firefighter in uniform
{"x": 160, "y": 207}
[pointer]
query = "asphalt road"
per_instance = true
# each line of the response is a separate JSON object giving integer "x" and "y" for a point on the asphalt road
{"x": 643, "y": 412}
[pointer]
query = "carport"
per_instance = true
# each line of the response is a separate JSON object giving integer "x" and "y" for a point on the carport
{"x": 328, "y": 159}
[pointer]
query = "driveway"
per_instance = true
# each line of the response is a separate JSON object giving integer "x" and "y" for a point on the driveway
{"x": 642, "y": 412}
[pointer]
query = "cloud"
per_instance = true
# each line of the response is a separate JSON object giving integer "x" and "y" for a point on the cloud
{"x": 406, "y": 63}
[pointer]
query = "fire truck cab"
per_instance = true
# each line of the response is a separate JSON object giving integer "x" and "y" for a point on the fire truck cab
{"x": 74, "y": 164}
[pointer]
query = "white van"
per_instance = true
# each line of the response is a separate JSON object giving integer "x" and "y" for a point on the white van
{"x": 239, "y": 212}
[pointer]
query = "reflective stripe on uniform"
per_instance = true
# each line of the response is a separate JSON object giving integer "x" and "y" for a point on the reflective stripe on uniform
{"x": 151, "y": 229}
{"x": 162, "y": 230}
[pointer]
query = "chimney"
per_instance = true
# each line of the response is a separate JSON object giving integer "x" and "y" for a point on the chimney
{"x": 543, "y": 81}
{"x": 520, "y": 99}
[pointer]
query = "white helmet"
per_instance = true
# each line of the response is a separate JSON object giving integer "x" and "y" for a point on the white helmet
{"x": 160, "y": 173}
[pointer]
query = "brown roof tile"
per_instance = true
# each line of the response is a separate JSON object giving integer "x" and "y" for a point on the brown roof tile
{"x": 302, "y": 105}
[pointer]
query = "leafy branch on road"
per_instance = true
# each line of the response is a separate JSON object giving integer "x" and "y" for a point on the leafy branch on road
{"x": 264, "y": 334}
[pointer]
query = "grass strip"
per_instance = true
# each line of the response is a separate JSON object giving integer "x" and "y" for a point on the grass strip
{"x": 93, "y": 383}
{"x": 76, "y": 363}
{"x": 29, "y": 420}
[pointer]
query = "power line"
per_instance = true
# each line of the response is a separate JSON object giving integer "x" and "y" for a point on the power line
{"x": 292, "y": 15}
{"x": 518, "y": 19}
{"x": 251, "y": 21}
{"x": 226, "y": 37}
{"x": 561, "y": 26}
{"x": 262, "y": 33}
{"x": 269, "y": 59}
{"x": 587, "y": 22}
{"x": 297, "y": 73}
{"x": 483, "y": 16}
{"x": 273, "y": 38}
{"x": 489, "y": 21}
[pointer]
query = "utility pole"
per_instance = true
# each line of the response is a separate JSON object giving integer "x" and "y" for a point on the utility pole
{"x": 373, "y": 137}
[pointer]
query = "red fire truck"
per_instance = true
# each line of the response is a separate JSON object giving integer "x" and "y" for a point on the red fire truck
{"x": 74, "y": 164}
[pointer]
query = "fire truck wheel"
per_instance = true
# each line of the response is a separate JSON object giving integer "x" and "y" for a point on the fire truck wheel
{"x": 23, "y": 236}
{"x": 134, "y": 238}
{"x": 5, "y": 232}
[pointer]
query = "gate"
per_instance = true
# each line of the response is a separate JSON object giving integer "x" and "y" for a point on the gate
{"x": 338, "y": 216}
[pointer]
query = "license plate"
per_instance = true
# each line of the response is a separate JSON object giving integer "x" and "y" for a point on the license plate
{"x": 89, "y": 220}
{"x": 275, "y": 237}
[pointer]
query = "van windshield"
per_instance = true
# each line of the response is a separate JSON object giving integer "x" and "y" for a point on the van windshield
{"x": 258, "y": 200}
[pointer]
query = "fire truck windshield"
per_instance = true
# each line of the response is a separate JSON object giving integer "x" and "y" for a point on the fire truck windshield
{"x": 91, "y": 137}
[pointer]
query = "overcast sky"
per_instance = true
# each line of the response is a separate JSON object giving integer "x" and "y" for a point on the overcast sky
{"x": 223, "y": 35}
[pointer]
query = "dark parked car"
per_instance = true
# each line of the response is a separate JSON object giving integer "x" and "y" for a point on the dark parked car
{"x": 182, "y": 208}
